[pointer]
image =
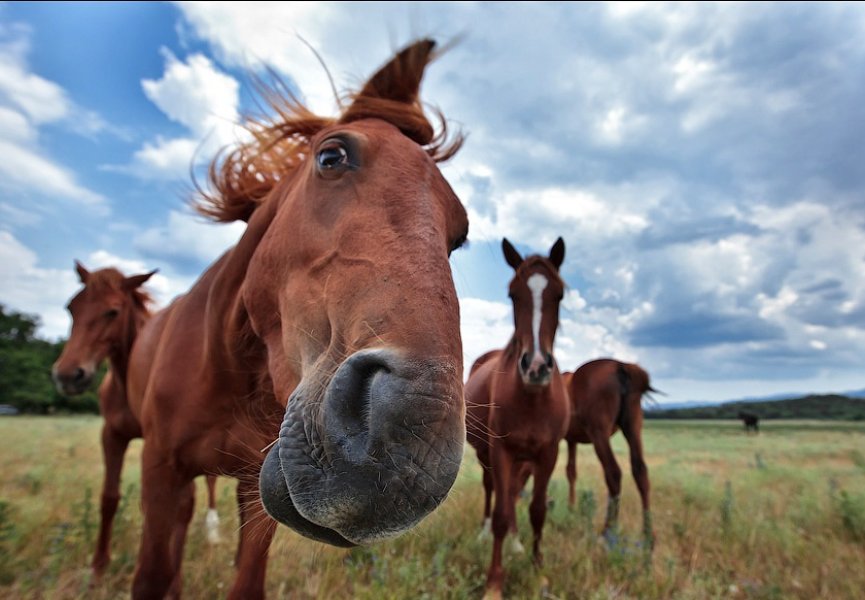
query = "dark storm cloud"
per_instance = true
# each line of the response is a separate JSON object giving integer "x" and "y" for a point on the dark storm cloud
{"x": 698, "y": 330}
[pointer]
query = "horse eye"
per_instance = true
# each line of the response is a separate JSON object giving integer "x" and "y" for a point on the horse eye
{"x": 332, "y": 156}
{"x": 112, "y": 313}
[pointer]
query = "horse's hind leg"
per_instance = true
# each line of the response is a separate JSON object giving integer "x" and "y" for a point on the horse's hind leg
{"x": 256, "y": 533}
{"x": 162, "y": 492}
{"x": 113, "y": 449}
{"x": 571, "y": 471}
{"x": 488, "y": 500}
{"x": 613, "y": 477}
{"x": 633, "y": 433}
{"x": 211, "y": 521}
{"x": 502, "y": 516}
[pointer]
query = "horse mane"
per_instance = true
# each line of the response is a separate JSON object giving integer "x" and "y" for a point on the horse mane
{"x": 242, "y": 176}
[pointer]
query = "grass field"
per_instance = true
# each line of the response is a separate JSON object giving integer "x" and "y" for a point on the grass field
{"x": 778, "y": 515}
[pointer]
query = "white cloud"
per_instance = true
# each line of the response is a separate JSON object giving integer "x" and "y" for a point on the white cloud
{"x": 197, "y": 95}
{"x": 187, "y": 237}
{"x": 32, "y": 289}
{"x": 28, "y": 101}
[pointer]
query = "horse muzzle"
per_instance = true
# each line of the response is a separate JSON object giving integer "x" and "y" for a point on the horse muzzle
{"x": 372, "y": 455}
{"x": 72, "y": 382}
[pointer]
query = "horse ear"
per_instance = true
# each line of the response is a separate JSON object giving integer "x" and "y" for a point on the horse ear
{"x": 557, "y": 253}
{"x": 136, "y": 281}
{"x": 512, "y": 257}
{"x": 83, "y": 274}
{"x": 399, "y": 80}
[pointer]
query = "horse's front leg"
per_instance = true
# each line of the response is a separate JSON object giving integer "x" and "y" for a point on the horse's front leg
{"x": 162, "y": 491}
{"x": 113, "y": 449}
{"x": 502, "y": 517}
{"x": 256, "y": 533}
{"x": 538, "y": 508}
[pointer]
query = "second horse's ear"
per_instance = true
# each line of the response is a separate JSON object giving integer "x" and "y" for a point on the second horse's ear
{"x": 557, "y": 253}
{"x": 512, "y": 257}
{"x": 136, "y": 281}
{"x": 83, "y": 274}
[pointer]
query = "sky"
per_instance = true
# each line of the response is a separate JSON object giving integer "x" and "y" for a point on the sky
{"x": 703, "y": 163}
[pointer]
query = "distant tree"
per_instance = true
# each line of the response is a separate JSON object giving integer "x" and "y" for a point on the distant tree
{"x": 25, "y": 368}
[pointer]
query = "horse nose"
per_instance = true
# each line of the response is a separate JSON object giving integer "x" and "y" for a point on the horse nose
{"x": 376, "y": 455}
{"x": 536, "y": 369}
{"x": 73, "y": 381}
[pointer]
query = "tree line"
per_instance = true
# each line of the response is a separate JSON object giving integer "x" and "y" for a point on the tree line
{"x": 829, "y": 406}
{"x": 25, "y": 369}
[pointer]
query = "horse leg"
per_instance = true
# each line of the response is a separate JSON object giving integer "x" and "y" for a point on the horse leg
{"x": 256, "y": 533}
{"x": 502, "y": 517}
{"x": 538, "y": 508}
{"x": 185, "y": 510}
{"x": 113, "y": 449}
{"x": 519, "y": 476}
{"x": 488, "y": 497}
{"x": 613, "y": 477}
{"x": 211, "y": 521}
{"x": 633, "y": 433}
{"x": 162, "y": 493}
{"x": 572, "y": 472}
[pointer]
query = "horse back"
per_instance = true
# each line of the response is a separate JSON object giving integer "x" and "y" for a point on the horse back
{"x": 595, "y": 392}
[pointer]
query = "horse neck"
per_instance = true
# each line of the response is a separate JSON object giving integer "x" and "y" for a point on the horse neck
{"x": 228, "y": 331}
{"x": 134, "y": 320}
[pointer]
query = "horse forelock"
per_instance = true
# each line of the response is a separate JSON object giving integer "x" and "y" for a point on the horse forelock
{"x": 531, "y": 263}
{"x": 111, "y": 279}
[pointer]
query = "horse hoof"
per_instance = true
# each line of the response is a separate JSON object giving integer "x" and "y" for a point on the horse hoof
{"x": 516, "y": 547}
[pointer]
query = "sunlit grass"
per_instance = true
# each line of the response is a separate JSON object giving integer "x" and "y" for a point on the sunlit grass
{"x": 776, "y": 515}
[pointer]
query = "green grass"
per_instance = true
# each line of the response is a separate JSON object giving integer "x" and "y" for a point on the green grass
{"x": 777, "y": 515}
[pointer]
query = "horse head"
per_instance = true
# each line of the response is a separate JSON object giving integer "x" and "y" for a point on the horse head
{"x": 350, "y": 290}
{"x": 535, "y": 291}
{"x": 104, "y": 314}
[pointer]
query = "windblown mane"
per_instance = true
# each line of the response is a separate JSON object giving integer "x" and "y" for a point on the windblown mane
{"x": 242, "y": 176}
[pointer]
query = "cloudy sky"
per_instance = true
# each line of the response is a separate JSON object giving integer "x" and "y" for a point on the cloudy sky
{"x": 703, "y": 162}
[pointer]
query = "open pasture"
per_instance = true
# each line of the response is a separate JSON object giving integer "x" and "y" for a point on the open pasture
{"x": 775, "y": 515}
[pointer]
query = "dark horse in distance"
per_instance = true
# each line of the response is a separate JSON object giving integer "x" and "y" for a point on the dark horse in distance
{"x": 750, "y": 421}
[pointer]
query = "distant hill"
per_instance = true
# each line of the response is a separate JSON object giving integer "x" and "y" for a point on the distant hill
{"x": 831, "y": 406}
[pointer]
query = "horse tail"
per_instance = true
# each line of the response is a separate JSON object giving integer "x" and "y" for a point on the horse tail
{"x": 624, "y": 380}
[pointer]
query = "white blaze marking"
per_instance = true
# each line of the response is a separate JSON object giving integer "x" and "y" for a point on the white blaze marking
{"x": 537, "y": 283}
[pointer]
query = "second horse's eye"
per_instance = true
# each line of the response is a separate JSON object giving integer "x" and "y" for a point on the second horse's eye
{"x": 332, "y": 156}
{"x": 112, "y": 313}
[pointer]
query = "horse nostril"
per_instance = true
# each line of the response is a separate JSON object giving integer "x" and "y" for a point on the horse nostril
{"x": 524, "y": 362}
{"x": 79, "y": 375}
{"x": 549, "y": 361}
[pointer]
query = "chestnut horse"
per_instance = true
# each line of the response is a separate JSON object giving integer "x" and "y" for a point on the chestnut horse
{"x": 328, "y": 336}
{"x": 606, "y": 395}
{"x": 106, "y": 318}
{"x": 516, "y": 403}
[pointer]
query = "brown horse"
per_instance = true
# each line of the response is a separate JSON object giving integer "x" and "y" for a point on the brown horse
{"x": 106, "y": 318}
{"x": 606, "y": 395}
{"x": 328, "y": 336}
{"x": 517, "y": 405}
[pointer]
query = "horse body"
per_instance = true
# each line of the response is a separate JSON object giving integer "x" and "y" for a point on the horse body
{"x": 327, "y": 337}
{"x": 606, "y": 396}
{"x": 107, "y": 316}
{"x": 517, "y": 405}
{"x": 750, "y": 421}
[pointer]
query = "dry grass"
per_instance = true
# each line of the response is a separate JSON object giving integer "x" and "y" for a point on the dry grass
{"x": 779, "y": 515}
